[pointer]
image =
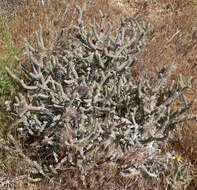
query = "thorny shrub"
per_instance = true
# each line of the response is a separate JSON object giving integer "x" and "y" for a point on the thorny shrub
{"x": 84, "y": 110}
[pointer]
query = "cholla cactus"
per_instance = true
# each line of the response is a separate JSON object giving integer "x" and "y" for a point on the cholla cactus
{"x": 84, "y": 107}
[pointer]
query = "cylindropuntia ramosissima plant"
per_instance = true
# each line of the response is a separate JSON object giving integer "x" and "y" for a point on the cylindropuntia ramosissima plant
{"x": 83, "y": 107}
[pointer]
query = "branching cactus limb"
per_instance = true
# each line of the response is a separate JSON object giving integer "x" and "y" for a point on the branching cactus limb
{"x": 20, "y": 80}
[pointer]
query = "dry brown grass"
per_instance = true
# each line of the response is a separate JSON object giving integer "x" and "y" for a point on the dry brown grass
{"x": 163, "y": 48}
